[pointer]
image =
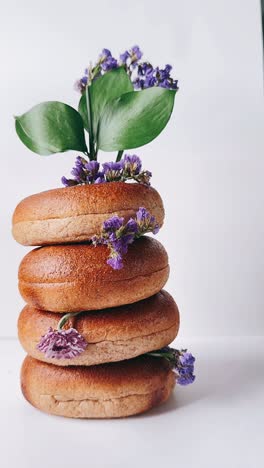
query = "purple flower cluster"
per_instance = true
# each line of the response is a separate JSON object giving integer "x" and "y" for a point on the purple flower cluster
{"x": 62, "y": 344}
{"x": 148, "y": 76}
{"x": 81, "y": 84}
{"x": 130, "y": 58}
{"x": 146, "y": 222}
{"x": 84, "y": 172}
{"x": 185, "y": 368}
{"x": 88, "y": 172}
{"x": 106, "y": 62}
{"x": 118, "y": 235}
{"x": 143, "y": 75}
{"x": 113, "y": 171}
{"x": 181, "y": 362}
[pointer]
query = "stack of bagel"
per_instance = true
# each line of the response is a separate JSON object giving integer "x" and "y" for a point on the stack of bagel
{"x": 125, "y": 314}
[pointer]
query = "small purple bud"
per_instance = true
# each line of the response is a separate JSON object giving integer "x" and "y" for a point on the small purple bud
{"x": 137, "y": 52}
{"x": 124, "y": 56}
{"x": 68, "y": 182}
{"x": 115, "y": 262}
{"x": 187, "y": 359}
{"x": 113, "y": 224}
{"x": 185, "y": 379}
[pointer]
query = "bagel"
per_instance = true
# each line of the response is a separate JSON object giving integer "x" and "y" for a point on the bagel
{"x": 111, "y": 335}
{"x": 111, "y": 390}
{"x": 75, "y": 214}
{"x": 76, "y": 277}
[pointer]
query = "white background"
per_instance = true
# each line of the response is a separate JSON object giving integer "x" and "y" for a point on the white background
{"x": 208, "y": 166}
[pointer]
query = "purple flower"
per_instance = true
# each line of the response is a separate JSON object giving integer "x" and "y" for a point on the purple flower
{"x": 186, "y": 379}
{"x": 115, "y": 261}
{"x": 143, "y": 75}
{"x": 100, "y": 179}
{"x": 91, "y": 171}
{"x": 79, "y": 174}
{"x": 138, "y": 84}
{"x": 92, "y": 167}
{"x": 109, "y": 64}
{"x": 146, "y": 222}
{"x": 145, "y": 69}
{"x": 112, "y": 237}
{"x": 144, "y": 177}
{"x": 113, "y": 171}
{"x": 118, "y": 235}
{"x": 164, "y": 84}
{"x": 68, "y": 182}
{"x": 80, "y": 85}
{"x": 88, "y": 172}
{"x": 124, "y": 56}
{"x": 184, "y": 368}
{"x": 62, "y": 344}
{"x": 113, "y": 224}
{"x": 187, "y": 359}
{"x": 181, "y": 363}
{"x": 78, "y": 171}
{"x": 124, "y": 236}
{"x": 132, "y": 226}
{"x": 84, "y": 172}
{"x": 148, "y": 76}
{"x": 106, "y": 61}
{"x": 130, "y": 58}
{"x": 132, "y": 165}
{"x": 113, "y": 166}
{"x": 150, "y": 81}
{"x": 136, "y": 52}
{"x": 164, "y": 74}
{"x": 106, "y": 53}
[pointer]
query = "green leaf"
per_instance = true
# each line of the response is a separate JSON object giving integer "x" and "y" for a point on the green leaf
{"x": 134, "y": 119}
{"x": 51, "y": 127}
{"x": 104, "y": 89}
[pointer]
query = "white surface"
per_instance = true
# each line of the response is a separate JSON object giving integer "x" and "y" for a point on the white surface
{"x": 216, "y": 422}
{"x": 208, "y": 164}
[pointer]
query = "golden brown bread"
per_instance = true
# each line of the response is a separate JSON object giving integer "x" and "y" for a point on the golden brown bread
{"x": 69, "y": 278}
{"x": 112, "y": 334}
{"x": 75, "y": 214}
{"x": 111, "y": 390}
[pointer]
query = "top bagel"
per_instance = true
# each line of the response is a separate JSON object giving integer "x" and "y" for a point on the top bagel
{"x": 75, "y": 214}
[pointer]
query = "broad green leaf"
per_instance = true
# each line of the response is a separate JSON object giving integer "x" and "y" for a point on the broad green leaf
{"x": 51, "y": 127}
{"x": 104, "y": 89}
{"x": 134, "y": 119}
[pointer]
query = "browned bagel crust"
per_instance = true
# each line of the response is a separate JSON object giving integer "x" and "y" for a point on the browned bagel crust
{"x": 112, "y": 334}
{"x": 75, "y": 214}
{"x": 69, "y": 278}
{"x": 107, "y": 391}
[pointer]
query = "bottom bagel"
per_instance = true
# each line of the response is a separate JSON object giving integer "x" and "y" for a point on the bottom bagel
{"x": 105, "y": 391}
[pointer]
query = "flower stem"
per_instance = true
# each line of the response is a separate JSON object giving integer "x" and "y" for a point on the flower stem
{"x": 119, "y": 155}
{"x": 160, "y": 355}
{"x": 65, "y": 319}
{"x": 90, "y": 123}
